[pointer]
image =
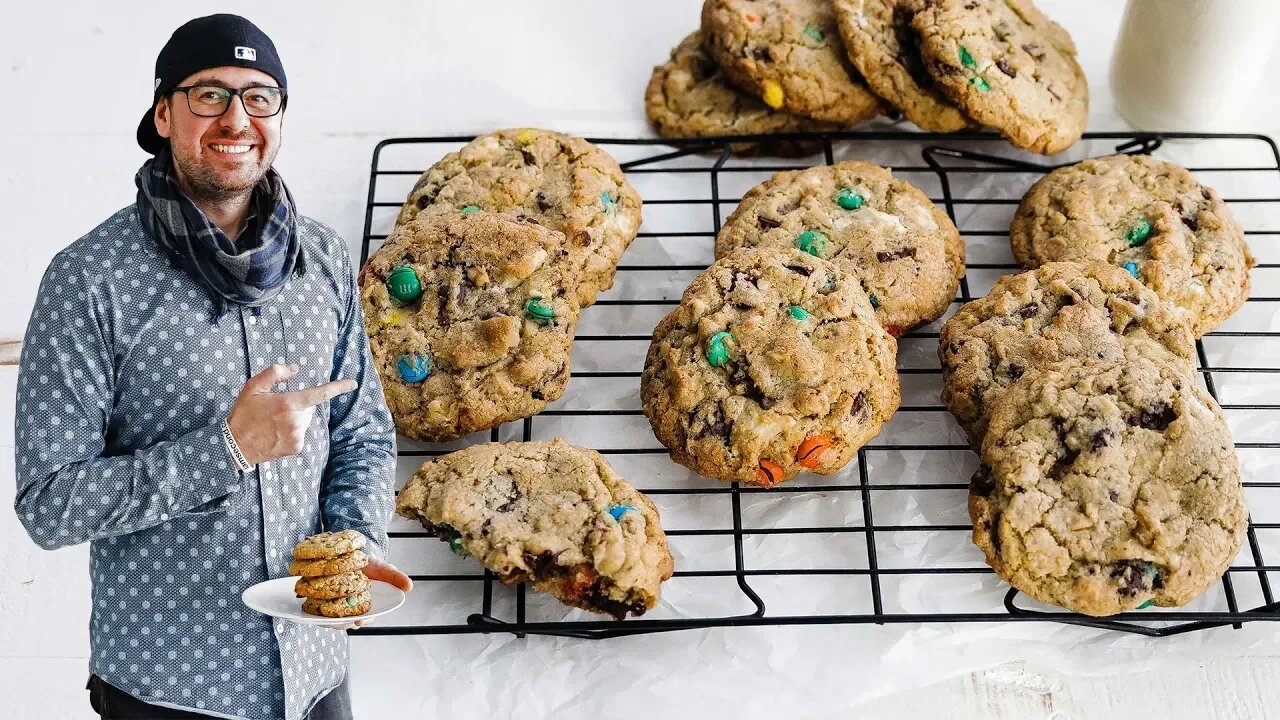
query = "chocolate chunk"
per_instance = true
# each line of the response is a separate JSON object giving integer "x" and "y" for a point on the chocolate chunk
{"x": 424, "y": 202}
{"x": 1158, "y": 417}
{"x": 1134, "y": 576}
{"x": 528, "y": 157}
{"x": 543, "y": 204}
{"x": 703, "y": 67}
{"x": 1034, "y": 51}
{"x": 859, "y": 406}
{"x": 1066, "y": 300}
{"x": 515, "y": 496}
{"x": 1006, "y": 68}
{"x": 767, "y": 223}
{"x": 1101, "y": 438}
{"x": 583, "y": 238}
{"x": 1114, "y": 496}
{"x": 1028, "y": 311}
{"x": 1015, "y": 370}
{"x": 982, "y": 483}
{"x": 713, "y": 425}
{"x": 896, "y": 254}
{"x": 540, "y": 563}
{"x": 761, "y": 53}
{"x": 941, "y": 68}
{"x": 1063, "y": 463}
{"x": 800, "y": 270}
{"x": 1132, "y": 300}
{"x": 1191, "y": 222}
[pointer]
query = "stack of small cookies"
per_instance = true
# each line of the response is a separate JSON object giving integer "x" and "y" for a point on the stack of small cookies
{"x": 1109, "y": 479}
{"x": 777, "y": 66}
{"x": 331, "y": 580}
{"x": 472, "y": 301}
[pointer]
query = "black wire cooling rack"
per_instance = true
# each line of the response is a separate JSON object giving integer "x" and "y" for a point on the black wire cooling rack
{"x": 887, "y": 539}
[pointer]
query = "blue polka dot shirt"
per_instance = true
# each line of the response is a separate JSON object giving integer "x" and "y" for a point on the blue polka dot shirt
{"x": 123, "y": 386}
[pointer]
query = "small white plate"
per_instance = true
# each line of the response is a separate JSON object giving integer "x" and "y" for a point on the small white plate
{"x": 277, "y": 599}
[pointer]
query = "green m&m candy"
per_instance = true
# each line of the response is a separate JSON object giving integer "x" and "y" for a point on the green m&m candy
{"x": 469, "y": 210}
{"x": 403, "y": 284}
{"x": 849, "y": 200}
{"x": 812, "y": 242}
{"x": 798, "y": 312}
{"x": 539, "y": 312}
{"x": 1138, "y": 234}
{"x": 717, "y": 351}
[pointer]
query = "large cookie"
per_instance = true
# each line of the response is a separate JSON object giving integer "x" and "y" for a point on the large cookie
{"x": 548, "y": 513}
{"x": 905, "y": 249}
{"x": 1008, "y": 66}
{"x": 1112, "y": 483}
{"x": 487, "y": 337}
{"x": 689, "y": 97}
{"x": 1058, "y": 311}
{"x": 1151, "y": 217}
{"x": 560, "y": 181}
{"x": 788, "y": 53}
{"x": 884, "y": 48}
{"x": 773, "y": 363}
{"x": 328, "y": 545}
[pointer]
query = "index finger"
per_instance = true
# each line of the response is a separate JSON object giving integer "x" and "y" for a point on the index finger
{"x": 307, "y": 397}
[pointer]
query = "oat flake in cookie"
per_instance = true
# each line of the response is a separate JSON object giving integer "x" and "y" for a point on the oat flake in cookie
{"x": 773, "y": 363}
{"x": 789, "y": 54}
{"x": 1058, "y": 311}
{"x": 1111, "y": 484}
{"x": 885, "y": 49}
{"x": 562, "y": 182}
{"x": 689, "y": 97}
{"x": 548, "y": 513}
{"x": 906, "y": 251}
{"x": 1148, "y": 216}
{"x": 1008, "y": 66}
{"x": 470, "y": 319}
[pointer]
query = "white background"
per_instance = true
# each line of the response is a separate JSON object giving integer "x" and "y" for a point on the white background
{"x": 75, "y": 79}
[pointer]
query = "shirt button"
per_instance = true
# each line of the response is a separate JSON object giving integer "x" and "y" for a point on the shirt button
{"x": 253, "y": 319}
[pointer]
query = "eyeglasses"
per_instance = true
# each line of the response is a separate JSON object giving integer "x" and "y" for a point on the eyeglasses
{"x": 213, "y": 100}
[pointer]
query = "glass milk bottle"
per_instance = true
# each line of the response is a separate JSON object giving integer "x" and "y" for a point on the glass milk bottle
{"x": 1192, "y": 64}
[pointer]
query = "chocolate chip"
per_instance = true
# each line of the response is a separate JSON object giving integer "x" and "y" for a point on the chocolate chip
{"x": 583, "y": 238}
{"x": 1192, "y": 224}
{"x": 1034, "y": 51}
{"x": 859, "y": 407}
{"x": 515, "y": 496}
{"x": 896, "y": 254}
{"x": 423, "y": 202}
{"x": 528, "y": 157}
{"x": 767, "y": 223}
{"x": 540, "y": 563}
{"x": 800, "y": 270}
{"x": 1134, "y": 576}
{"x": 1015, "y": 370}
{"x": 1028, "y": 311}
{"x": 543, "y": 204}
{"x": 1158, "y": 417}
{"x": 761, "y": 53}
{"x": 1066, "y": 300}
{"x": 982, "y": 483}
{"x": 1132, "y": 300}
{"x": 1114, "y": 496}
{"x": 711, "y": 426}
{"x": 941, "y": 68}
{"x": 1101, "y": 438}
{"x": 537, "y": 395}
{"x": 1006, "y": 68}
{"x": 1204, "y": 192}
{"x": 703, "y": 67}
{"x": 1060, "y": 428}
{"x": 442, "y": 309}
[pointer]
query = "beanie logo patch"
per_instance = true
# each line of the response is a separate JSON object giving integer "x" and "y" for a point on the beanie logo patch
{"x": 246, "y": 53}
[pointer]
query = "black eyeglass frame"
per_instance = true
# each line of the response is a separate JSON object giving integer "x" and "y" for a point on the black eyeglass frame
{"x": 235, "y": 92}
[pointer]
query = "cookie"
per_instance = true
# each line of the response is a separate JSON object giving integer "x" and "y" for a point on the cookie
{"x": 485, "y": 337}
{"x": 329, "y": 566}
{"x": 1058, "y": 311}
{"x": 1149, "y": 216}
{"x": 1111, "y": 484}
{"x": 562, "y": 182}
{"x": 351, "y": 606}
{"x": 328, "y": 545}
{"x": 332, "y": 587}
{"x": 548, "y": 513}
{"x": 1006, "y": 65}
{"x": 905, "y": 249}
{"x": 689, "y": 97}
{"x": 789, "y": 54}
{"x": 772, "y": 364}
{"x": 884, "y": 48}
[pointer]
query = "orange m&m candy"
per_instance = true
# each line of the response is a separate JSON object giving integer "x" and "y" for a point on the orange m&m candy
{"x": 811, "y": 450}
{"x": 768, "y": 473}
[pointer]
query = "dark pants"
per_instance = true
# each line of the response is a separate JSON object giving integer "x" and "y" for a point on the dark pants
{"x": 112, "y": 703}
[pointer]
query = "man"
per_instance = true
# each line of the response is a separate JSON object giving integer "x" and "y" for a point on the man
{"x": 148, "y": 419}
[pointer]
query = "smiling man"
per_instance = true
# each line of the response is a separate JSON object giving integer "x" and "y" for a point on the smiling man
{"x": 196, "y": 395}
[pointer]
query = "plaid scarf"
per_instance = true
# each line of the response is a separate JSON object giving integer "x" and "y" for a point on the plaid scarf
{"x": 245, "y": 277}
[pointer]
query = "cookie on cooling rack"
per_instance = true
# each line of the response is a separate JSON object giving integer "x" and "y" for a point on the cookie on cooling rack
{"x": 549, "y": 513}
{"x": 1108, "y": 484}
